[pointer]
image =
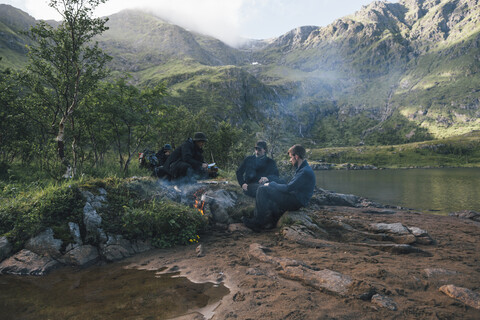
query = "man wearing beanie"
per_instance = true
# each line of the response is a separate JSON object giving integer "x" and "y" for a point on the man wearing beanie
{"x": 256, "y": 170}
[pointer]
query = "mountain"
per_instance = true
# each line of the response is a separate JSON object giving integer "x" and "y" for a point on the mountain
{"x": 389, "y": 73}
{"x": 13, "y": 43}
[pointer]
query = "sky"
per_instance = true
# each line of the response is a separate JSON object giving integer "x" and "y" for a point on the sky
{"x": 227, "y": 20}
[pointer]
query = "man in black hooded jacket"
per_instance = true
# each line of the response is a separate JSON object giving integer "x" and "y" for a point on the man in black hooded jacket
{"x": 256, "y": 170}
{"x": 187, "y": 160}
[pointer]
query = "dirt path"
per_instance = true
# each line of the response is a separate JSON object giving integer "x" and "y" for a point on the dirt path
{"x": 273, "y": 275}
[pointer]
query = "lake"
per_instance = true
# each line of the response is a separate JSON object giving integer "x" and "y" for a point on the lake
{"x": 439, "y": 191}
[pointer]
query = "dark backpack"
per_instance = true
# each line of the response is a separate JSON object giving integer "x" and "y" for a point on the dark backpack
{"x": 148, "y": 159}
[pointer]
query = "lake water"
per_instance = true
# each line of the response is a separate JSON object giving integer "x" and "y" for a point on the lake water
{"x": 439, "y": 191}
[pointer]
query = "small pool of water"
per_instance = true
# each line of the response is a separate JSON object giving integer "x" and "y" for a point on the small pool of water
{"x": 104, "y": 292}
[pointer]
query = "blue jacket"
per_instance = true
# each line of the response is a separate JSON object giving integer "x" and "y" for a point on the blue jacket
{"x": 301, "y": 185}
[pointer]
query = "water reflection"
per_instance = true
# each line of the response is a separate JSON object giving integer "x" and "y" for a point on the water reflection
{"x": 436, "y": 190}
{"x": 106, "y": 292}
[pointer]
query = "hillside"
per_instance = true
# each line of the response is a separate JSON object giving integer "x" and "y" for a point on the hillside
{"x": 390, "y": 73}
{"x": 12, "y": 43}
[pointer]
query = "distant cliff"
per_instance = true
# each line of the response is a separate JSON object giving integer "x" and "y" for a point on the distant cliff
{"x": 389, "y": 73}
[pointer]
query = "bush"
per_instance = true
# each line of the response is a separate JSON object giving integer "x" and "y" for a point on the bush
{"x": 26, "y": 211}
{"x": 133, "y": 212}
{"x": 166, "y": 223}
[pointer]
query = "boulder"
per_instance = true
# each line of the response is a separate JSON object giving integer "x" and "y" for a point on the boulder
{"x": 299, "y": 217}
{"x": 395, "y": 228}
{"x": 116, "y": 248}
{"x": 27, "y": 262}
{"x": 141, "y": 246}
{"x": 45, "y": 244}
{"x": 421, "y": 236}
{"x": 92, "y": 221}
{"x": 433, "y": 272}
{"x": 5, "y": 248}
{"x": 466, "y": 214}
{"x": 384, "y": 302}
{"x": 466, "y": 296}
{"x": 219, "y": 202}
{"x": 327, "y": 198}
{"x": 88, "y": 195}
{"x": 81, "y": 256}
{"x": 75, "y": 232}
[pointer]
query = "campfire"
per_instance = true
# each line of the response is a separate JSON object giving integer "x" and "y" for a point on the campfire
{"x": 199, "y": 201}
{"x": 210, "y": 200}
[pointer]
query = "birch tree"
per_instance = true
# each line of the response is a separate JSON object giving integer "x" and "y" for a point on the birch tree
{"x": 68, "y": 64}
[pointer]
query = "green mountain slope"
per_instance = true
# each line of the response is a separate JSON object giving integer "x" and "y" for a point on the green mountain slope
{"x": 12, "y": 42}
{"x": 411, "y": 65}
{"x": 390, "y": 73}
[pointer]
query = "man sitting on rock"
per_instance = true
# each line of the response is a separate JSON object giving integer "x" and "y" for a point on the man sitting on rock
{"x": 256, "y": 170}
{"x": 273, "y": 198}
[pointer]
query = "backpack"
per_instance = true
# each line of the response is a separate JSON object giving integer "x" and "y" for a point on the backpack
{"x": 148, "y": 159}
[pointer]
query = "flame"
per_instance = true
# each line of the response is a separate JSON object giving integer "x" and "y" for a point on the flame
{"x": 199, "y": 203}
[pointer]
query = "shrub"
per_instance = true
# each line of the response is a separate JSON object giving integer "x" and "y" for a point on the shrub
{"x": 25, "y": 211}
{"x": 28, "y": 212}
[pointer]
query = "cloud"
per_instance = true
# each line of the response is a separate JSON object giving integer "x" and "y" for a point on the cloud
{"x": 219, "y": 18}
{"x": 39, "y": 9}
{"x": 227, "y": 20}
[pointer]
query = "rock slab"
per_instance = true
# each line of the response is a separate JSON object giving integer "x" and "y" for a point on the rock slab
{"x": 27, "y": 262}
{"x": 464, "y": 295}
{"x": 325, "y": 280}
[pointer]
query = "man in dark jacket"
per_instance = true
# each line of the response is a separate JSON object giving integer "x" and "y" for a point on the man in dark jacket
{"x": 273, "y": 198}
{"x": 256, "y": 170}
{"x": 187, "y": 160}
{"x": 163, "y": 154}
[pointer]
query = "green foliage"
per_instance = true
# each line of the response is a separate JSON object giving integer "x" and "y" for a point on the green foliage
{"x": 134, "y": 212}
{"x": 65, "y": 66}
{"x": 227, "y": 145}
{"x": 27, "y": 211}
{"x": 166, "y": 223}
{"x": 461, "y": 151}
{"x": 122, "y": 114}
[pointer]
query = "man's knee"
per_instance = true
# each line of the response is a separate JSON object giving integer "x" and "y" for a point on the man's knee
{"x": 264, "y": 191}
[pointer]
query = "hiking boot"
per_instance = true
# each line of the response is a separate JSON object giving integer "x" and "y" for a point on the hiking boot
{"x": 251, "y": 224}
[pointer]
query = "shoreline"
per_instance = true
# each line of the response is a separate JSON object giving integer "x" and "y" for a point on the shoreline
{"x": 324, "y": 166}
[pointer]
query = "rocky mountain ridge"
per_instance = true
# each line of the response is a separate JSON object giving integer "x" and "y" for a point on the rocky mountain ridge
{"x": 389, "y": 73}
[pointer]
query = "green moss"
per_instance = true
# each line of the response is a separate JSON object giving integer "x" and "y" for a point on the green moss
{"x": 30, "y": 211}
{"x": 132, "y": 211}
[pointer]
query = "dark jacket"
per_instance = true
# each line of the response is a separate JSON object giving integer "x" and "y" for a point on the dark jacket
{"x": 253, "y": 168}
{"x": 301, "y": 185}
{"x": 162, "y": 157}
{"x": 189, "y": 153}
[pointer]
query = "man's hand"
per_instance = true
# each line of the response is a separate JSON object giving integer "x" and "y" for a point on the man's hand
{"x": 263, "y": 180}
{"x": 245, "y": 186}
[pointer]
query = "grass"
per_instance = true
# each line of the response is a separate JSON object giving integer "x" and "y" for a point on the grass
{"x": 28, "y": 209}
{"x": 460, "y": 151}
